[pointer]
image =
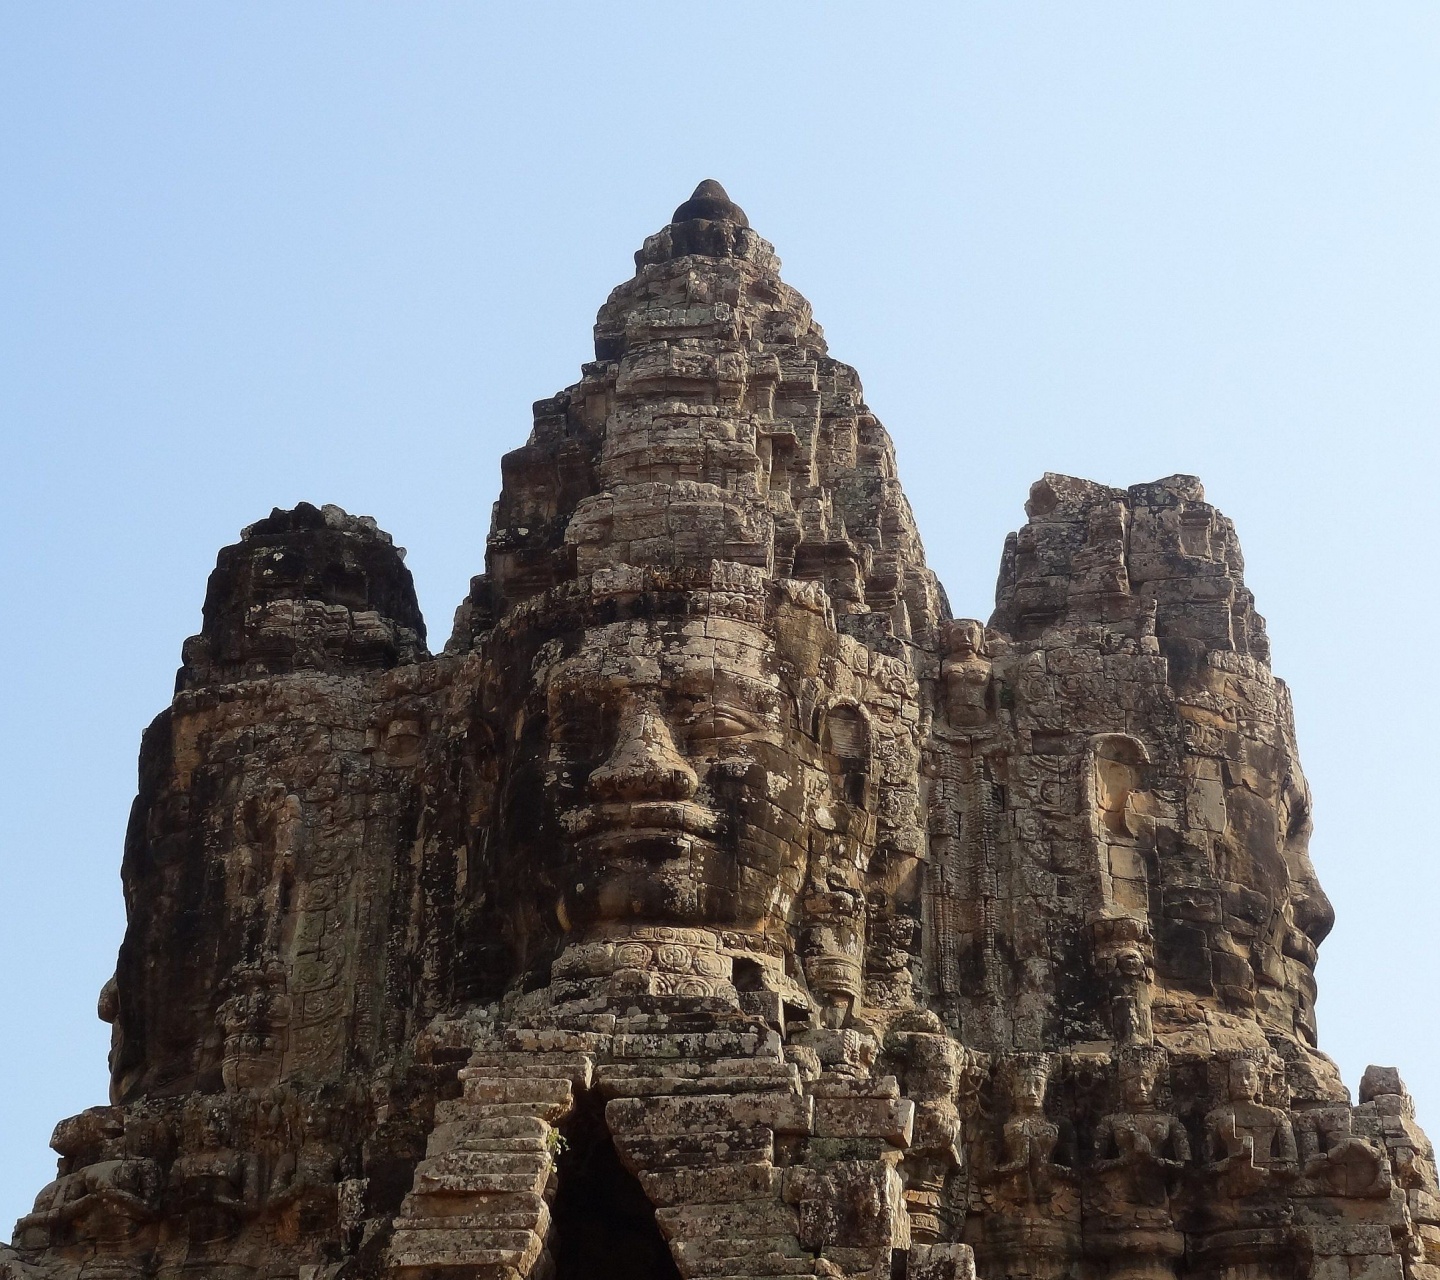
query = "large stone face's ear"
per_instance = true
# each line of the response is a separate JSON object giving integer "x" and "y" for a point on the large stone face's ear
{"x": 307, "y": 589}
{"x": 845, "y": 741}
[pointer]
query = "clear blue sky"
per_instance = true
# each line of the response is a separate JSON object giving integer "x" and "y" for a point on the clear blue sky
{"x": 252, "y": 253}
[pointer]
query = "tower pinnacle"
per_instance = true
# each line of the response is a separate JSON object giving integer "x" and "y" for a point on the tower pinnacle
{"x": 710, "y": 201}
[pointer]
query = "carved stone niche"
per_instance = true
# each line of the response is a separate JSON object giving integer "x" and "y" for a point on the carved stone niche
{"x": 1387, "y": 1112}
{"x": 846, "y": 739}
{"x": 1026, "y": 1173}
{"x": 940, "y": 1262}
{"x": 304, "y": 1188}
{"x": 1124, "y": 952}
{"x": 1115, "y": 802}
{"x": 832, "y": 947}
{"x": 943, "y": 1079}
{"x": 216, "y": 1184}
{"x": 1249, "y": 1168}
{"x": 1333, "y": 1160}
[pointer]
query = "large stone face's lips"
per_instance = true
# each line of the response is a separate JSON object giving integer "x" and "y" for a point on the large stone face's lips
{"x": 641, "y": 820}
{"x": 1299, "y": 947}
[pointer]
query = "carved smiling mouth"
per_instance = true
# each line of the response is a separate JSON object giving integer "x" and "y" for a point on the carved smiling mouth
{"x": 653, "y": 827}
{"x": 1298, "y": 947}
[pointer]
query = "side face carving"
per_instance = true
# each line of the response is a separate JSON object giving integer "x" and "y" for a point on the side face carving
{"x": 1123, "y": 615}
{"x": 1274, "y": 903}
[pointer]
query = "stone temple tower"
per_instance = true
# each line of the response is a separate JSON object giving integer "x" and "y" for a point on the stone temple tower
{"x": 715, "y": 905}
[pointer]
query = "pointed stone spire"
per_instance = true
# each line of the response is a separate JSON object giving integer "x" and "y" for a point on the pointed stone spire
{"x": 712, "y": 426}
{"x": 709, "y": 225}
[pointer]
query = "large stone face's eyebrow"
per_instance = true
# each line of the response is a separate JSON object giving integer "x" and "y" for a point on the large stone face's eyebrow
{"x": 572, "y": 676}
{"x": 764, "y": 693}
{"x": 603, "y": 686}
{"x": 710, "y": 684}
{"x": 709, "y": 673}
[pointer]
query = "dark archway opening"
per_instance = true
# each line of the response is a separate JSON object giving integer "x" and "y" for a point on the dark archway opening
{"x": 602, "y": 1226}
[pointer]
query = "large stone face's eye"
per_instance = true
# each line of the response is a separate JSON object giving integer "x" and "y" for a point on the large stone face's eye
{"x": 846, "y": 740}
{"x": 714, "y": 722}
{"x": 1297, "y": 818}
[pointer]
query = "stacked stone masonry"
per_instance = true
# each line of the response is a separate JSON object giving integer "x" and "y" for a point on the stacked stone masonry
{"x": 715, "y": 905}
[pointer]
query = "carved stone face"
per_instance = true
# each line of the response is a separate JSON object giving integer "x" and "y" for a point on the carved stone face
{"x": 1027, "y": 1086}
{"x": 213, "y": 1130}
{"x": 675, "y": 772}
{"x": 1276, "y": 902}
{"x": 1310, "y": 917}
{"x": 1244, "y": 1080}
{"x": 1140, "y": 1083}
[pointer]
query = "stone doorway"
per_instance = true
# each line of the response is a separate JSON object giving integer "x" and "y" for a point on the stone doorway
{"x": 602, "y": 1226}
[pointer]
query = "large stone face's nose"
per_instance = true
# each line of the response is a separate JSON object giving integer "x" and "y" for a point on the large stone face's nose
{"x": 1314, "y": 916}
{"x": 645, "y": 763}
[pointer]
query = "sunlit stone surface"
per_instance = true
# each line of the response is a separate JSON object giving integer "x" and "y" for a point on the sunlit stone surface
{"x": 715, "y": 905}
